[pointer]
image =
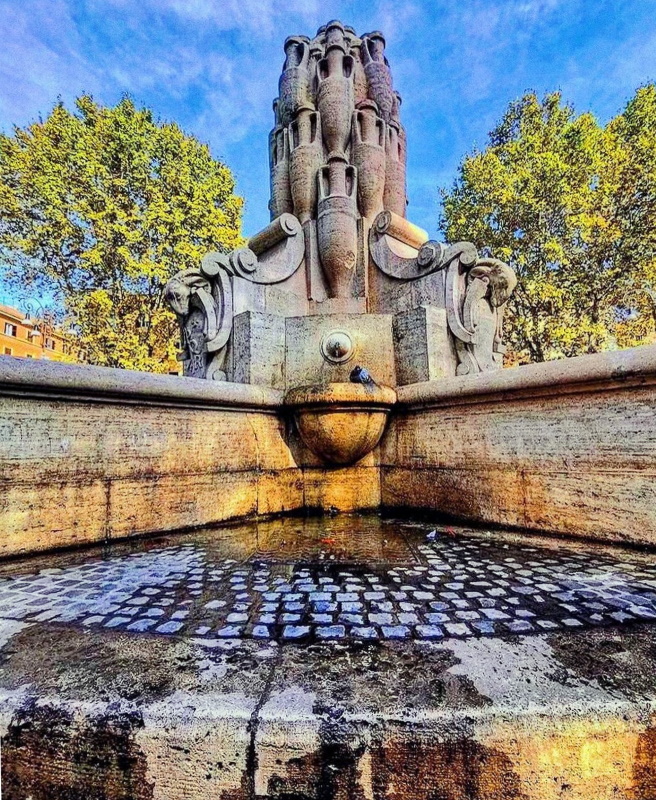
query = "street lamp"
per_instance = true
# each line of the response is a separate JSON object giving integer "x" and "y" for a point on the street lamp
{"x": 31, "y": 307}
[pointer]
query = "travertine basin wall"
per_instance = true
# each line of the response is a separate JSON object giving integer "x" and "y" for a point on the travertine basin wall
{"x": 567, "y": 446}
{"x": 89, "y": 454}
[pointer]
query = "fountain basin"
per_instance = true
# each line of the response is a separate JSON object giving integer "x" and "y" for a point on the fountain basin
{"x": 340, "y": 422}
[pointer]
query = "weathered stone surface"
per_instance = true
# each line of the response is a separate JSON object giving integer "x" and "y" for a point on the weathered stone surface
{"x": 567, "y": 446}
{"x": 423, "y": 349}
{"x": 373, "y": 348}
{"x": 341, "y": 422}
{"x": 338, "y": 154}
{"x": 82, "y": 463}
{"x": 258, "y": 350}
{"x": 110, "y": 711}
{"x": 352, "y": 489}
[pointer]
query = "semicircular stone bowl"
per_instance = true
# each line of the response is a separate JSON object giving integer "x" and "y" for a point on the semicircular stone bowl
{"x": 341, "y": 422}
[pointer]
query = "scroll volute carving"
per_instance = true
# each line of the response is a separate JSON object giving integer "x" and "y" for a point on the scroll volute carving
{"x": 335, "y": 90}
{"x": 305, "y": 158}
{"x": 368, "y": 157}
{"x": 477, "y": 290}
{"x": 378, "y": 73}
{"x": 402, "y": 250}
{"x": 337, "y": 224}
{"x": 294, "y": 84}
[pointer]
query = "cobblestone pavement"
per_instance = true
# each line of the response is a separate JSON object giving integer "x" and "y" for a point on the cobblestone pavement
{"x": 334, "y": 579}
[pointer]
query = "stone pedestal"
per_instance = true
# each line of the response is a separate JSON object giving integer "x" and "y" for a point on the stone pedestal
{"x": 423, "y": 348}
{"x": 257, "y": 353}
{"x": 372, "y": 347}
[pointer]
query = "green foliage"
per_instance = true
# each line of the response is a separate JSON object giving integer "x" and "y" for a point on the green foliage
{"x": 99, "y": 208}
{"x": 570, "y": 204}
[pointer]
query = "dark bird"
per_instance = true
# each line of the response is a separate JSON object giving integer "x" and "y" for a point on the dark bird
{"x": 361, "y": 375}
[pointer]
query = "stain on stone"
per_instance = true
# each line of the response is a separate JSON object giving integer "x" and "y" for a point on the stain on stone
{"x": 351, "y": 675}
{"x": 619, "y": 660}
{"x": 644, "y": 767}
{"x": 300, "y": 781}
{"x": 48, "y": 755}
{"x": 419, "y": 769}
{"x": 352, "y": 763}
{"x": 85, "y": 663}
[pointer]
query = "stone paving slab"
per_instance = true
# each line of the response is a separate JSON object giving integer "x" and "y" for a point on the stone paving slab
{"x": 388, "y": 581}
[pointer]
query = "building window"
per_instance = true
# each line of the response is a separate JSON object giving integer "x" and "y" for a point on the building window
{"x": 29, "y": 355}
{"x": 10, "y": 330}
{"x": 8, "y": 351}
{"x": 49, "y": 343}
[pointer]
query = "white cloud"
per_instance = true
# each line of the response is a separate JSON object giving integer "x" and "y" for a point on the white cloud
{"x": 40, "y": 59}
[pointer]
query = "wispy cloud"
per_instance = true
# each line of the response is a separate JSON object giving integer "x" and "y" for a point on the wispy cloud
{"x": 213, "y": 66}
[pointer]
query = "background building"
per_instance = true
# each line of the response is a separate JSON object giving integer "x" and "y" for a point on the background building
{"x": 26, "y": 337}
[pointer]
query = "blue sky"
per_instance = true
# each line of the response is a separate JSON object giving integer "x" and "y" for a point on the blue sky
{"x": 213, "y": 66}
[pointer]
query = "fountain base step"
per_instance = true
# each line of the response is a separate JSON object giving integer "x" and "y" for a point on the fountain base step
{"x": 344, "y": 657}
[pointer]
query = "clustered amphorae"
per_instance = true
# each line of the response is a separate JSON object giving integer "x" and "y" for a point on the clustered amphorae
{"x": 338, "y": 149}
{"x": 339, "y": 242}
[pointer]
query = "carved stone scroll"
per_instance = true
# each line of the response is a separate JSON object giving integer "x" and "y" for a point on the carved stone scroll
{"x": 389, "y": 227}
{"x": 204, "y": 312}
{"x": 476, "y": 292}
{"x": 273, "y": 255}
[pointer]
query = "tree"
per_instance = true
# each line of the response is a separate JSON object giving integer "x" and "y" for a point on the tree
{"x": 564, "y": 201}
{"x": 98, "y": 208}
{"x": 634, "y": 213}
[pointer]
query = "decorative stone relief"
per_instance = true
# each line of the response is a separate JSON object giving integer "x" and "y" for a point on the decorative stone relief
{"x": 204, "y": 313}
{"x": 339, "y": 241}
{"x": 203, "y": 299}
{"x": 337, "y": 228}
{"x": 477, "y": 290}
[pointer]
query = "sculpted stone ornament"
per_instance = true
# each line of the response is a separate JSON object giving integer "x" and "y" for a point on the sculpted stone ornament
{"x": 294, "y": 84}
{"x": 477, "y": 290}
{"x": 368, "y": 156}
{"x": 204, "y": 314}
{"x": 281, "y": 193}
{"x": 378, "y": 73}
{"x": 391, "y": 239}
{"x": 340, "y": 276}
{"x": 335, "y": 93}
{"x": 337, "y": 229}
{"x": 305, "y": 158}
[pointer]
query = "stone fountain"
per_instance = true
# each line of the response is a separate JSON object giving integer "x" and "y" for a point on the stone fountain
{"x": 346, "y": 655}
{"x": 340, "y": 277}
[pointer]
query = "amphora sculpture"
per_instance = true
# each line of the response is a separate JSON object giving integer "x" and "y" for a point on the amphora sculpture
{"x": 368, "y": 157}
{"x": 337, "y": 227}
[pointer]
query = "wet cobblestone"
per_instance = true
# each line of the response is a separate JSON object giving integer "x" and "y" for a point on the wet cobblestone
{"x": 440, "y": 582}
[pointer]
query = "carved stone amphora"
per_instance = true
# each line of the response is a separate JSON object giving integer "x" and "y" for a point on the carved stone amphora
{"x": 394, "y": 198}
{"x": 368, "y": 157}
{"x": 337, "y": 231}
{"x": 281, "y": 195}
{"x": 335, "y": 91}
{"x": 305, "y": 158}
{"x": 360, "y": 87}
{"x": 294, "y": 84}
{"x": 378, "y": 73}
